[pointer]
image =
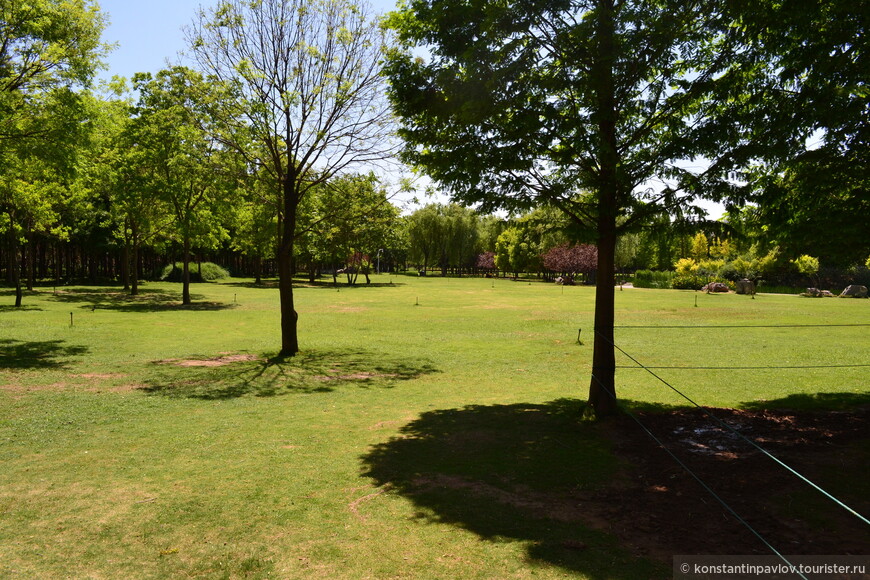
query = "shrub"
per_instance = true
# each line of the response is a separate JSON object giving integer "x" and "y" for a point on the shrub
{"x": 729, "y": 272}
{"x": 711, "y": 267}
{"x": 686, "y": 267}
{"x": 688, "y": 282}
{"x": 652, "y": 279}
{"x": 806, "y": 265}
{"x": 210, "y": 272}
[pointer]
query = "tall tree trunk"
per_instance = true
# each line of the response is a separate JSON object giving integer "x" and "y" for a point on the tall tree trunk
{"x": 602, "y": 387}
{"x": 289, "y": 317}
{"x": 258, "y": 270}
{"x": 289, "y": 341}
{"x": 15, "y": 266}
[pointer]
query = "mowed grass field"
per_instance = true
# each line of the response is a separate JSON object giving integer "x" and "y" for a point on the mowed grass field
{"x": 141, "y": 439}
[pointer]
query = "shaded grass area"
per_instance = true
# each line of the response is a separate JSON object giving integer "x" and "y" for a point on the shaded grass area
{"x": 813, "y": 402}
{"x": 510, "y": 471}
{"x": 38, "y": 355}
{"x": 536, "y": 473}
{"x": 308, "y": 372}
{"x": 145, "y": 301}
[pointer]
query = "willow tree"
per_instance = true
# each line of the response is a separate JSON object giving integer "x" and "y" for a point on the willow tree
{"x": 597, "y": 107}
{"x": 312, "y": 101}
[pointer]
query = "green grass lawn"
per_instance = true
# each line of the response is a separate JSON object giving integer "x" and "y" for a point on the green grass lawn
{"x": 148, "y": 440}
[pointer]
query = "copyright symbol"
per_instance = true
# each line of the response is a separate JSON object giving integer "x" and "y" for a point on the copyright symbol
{"x": 685, "y": 568}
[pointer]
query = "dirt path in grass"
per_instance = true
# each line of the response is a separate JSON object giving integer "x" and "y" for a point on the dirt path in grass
{"x": 658, "y": 510}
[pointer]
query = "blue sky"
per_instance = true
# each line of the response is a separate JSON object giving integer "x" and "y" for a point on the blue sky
{"x": 147, "y": 33}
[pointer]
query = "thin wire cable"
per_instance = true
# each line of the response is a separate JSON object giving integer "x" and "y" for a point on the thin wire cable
{"x": 703, "y": 484}
{"x": 741, "y": 435}
{"x": 751, "y": 326}
{"x": 749, "y": 368}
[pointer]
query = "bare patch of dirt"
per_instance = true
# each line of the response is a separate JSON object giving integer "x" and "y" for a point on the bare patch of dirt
{"x": 100, "y": 375}
{"x": 218, "y": 361}
{"x": 338, "y": 308}
{"x": 658, "y": 509}
{"x": 355, "y": 505}
{"x": 391, "y": 424}
{"x": 129, "y": 388}
{"x": 18, "y": 388}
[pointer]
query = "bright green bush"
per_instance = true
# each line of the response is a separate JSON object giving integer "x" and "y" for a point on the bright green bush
{"x": 210, "y": 272}
{"x": 806, "y": 265}
{"x": 688, "y": 282}
{"x": 686, "y": 266}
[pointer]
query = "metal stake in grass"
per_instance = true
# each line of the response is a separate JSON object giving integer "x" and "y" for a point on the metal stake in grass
{"x": 579, "y": 330}
{"x": 70, "y": 319}
{"x": 696, "y": 300}
{"x": 417, "y": 303}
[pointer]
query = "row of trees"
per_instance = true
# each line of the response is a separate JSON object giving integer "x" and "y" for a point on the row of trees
{"x": 454, "y": 239}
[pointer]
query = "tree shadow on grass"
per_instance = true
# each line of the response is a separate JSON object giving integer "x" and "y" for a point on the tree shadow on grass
{"x": 11, "y": 307}
{"x": 264, "y": 285}
{"x": 22, "y": 308}
{"x": 37, "y": 355}
{"x": 517, "y": 472}
{"x": 812, "y": 402}
{"x": 343, "y": 285}
{"x": 146, "y": 301}
{"x": 325, "y": 284}
{"x": 309, "y": 372}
